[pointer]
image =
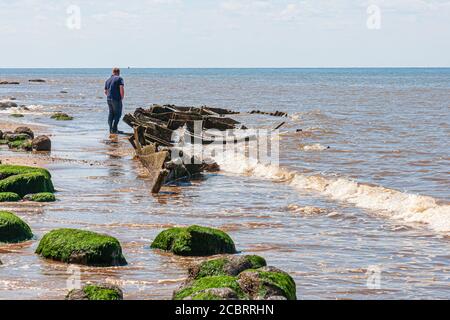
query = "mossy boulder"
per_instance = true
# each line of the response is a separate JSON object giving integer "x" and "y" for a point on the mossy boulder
{"x": 9, "y": 197}
{"x": 60, "y": 116}
{"x": 194, "y": 241}
{"x": 245, "y": 277}
{"x": 267, "y": 283}
{"x": 25, "y": 130}
{"x": 13, "y": 229}
{"x": 201, "y": 289}
{"x": 228, "y": 266}
{"x": 40, "y": 197}
{"x": 11, "y": 137}
{"x": 3, "y": 141}
{"x": 81, "y": 247}
{"x": 21, "y": 145}
{"x": 24, "y": 180}
{"x": 96, "y": 292}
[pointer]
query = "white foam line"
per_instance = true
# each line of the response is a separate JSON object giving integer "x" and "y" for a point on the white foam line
{"x": 392, "y": 203}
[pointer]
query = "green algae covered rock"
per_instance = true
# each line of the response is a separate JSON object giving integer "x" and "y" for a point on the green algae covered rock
{"x": 201, "y": 289}
{"x": 9, "y": 197}
{"x": 60, "y": 116}
{"x": 81, "y": 247}
{"x": 266, "y": 283}
{"x": 229, "y": 266}
{"x": 96, "y": 292}
{"x": 231, "y": 278}
{"x": 194, "y": 241}
{"x": 24, "y": 180}
{"x": 13, "y": 229}
{"x": 40, "y": 197}
{"x": 21, "y": 145}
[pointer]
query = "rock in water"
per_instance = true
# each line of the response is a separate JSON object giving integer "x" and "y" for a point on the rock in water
{"x": 9, "y": 82}
{"x": 96, "y": 292}
{"x": 20, "y": 145}
{"x": 36, "y": 80}
{"x": 24, "y": 180}
{"x": 81, "y": 247}
{"x": 42, "y": 143}
{"x": 229, "y": 266}
{"x": 40, "y": 197}
{"x": 194, "y": 241}
{"x": 60, "y": 116}
{"x": 13, "y": 229}
{"x": 9, "y": 197}
{"x": 267, "y": 282}
{"x": 211, "y": 288}
{"x": 229, "y": 278}
{"x": 25, "y": 130}
{"x": 7, "y": 105}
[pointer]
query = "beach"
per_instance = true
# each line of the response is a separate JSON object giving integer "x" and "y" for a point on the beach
{"x": 362, "y": 182}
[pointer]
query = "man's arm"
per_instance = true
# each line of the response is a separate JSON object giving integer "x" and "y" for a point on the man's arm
{"x": 122, "y": 92}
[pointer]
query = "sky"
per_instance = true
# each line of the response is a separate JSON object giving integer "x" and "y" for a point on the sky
{"x": 225, "y": 33}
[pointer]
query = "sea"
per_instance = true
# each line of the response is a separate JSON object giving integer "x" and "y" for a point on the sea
{"x": 356, "y": 207}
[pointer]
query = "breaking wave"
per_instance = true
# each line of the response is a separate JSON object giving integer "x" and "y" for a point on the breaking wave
{"x": 390, "y": 203}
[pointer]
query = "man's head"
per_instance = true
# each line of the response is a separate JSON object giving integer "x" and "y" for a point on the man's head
{"x": 116, "y": 71}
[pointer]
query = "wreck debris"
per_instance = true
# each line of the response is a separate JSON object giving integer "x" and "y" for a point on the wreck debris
{"x": 274, "y": 114}
{"x": 154, "y": 131}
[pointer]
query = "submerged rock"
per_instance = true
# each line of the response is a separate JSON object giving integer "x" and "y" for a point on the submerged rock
{"x": 7, "y": 105}
{"x": 60, "y": 116}
{"x": 194, "y": 241}
{"x": 9, "y": 82}
{"x": 40, "y": 197}
{"x": 81, "y": 247}
{"x": 96, "y": 292}
{"x": 228, "y": 266}
{"x": 24, "y": 180}
{"x": 13, "y": 229}
{"x": 9, "y": 197}
{"x": 42, "y": 143}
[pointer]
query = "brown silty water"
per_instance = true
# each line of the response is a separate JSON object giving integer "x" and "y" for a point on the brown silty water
{"x": 377, "y": 199}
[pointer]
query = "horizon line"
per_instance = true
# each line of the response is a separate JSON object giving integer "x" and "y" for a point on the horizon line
{"x": 322, "y": 67}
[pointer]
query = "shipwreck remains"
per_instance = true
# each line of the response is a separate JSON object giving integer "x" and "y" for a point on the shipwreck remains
{"x": 154, "y": 132}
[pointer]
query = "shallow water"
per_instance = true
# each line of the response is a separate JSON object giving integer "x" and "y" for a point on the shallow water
{"x": 377, "y": 198}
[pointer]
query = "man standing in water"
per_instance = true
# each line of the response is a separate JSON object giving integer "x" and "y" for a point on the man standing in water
{"x": 115, "y": 92}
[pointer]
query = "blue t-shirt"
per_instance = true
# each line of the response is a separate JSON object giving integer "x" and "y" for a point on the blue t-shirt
{"x": 112, "y": 86}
